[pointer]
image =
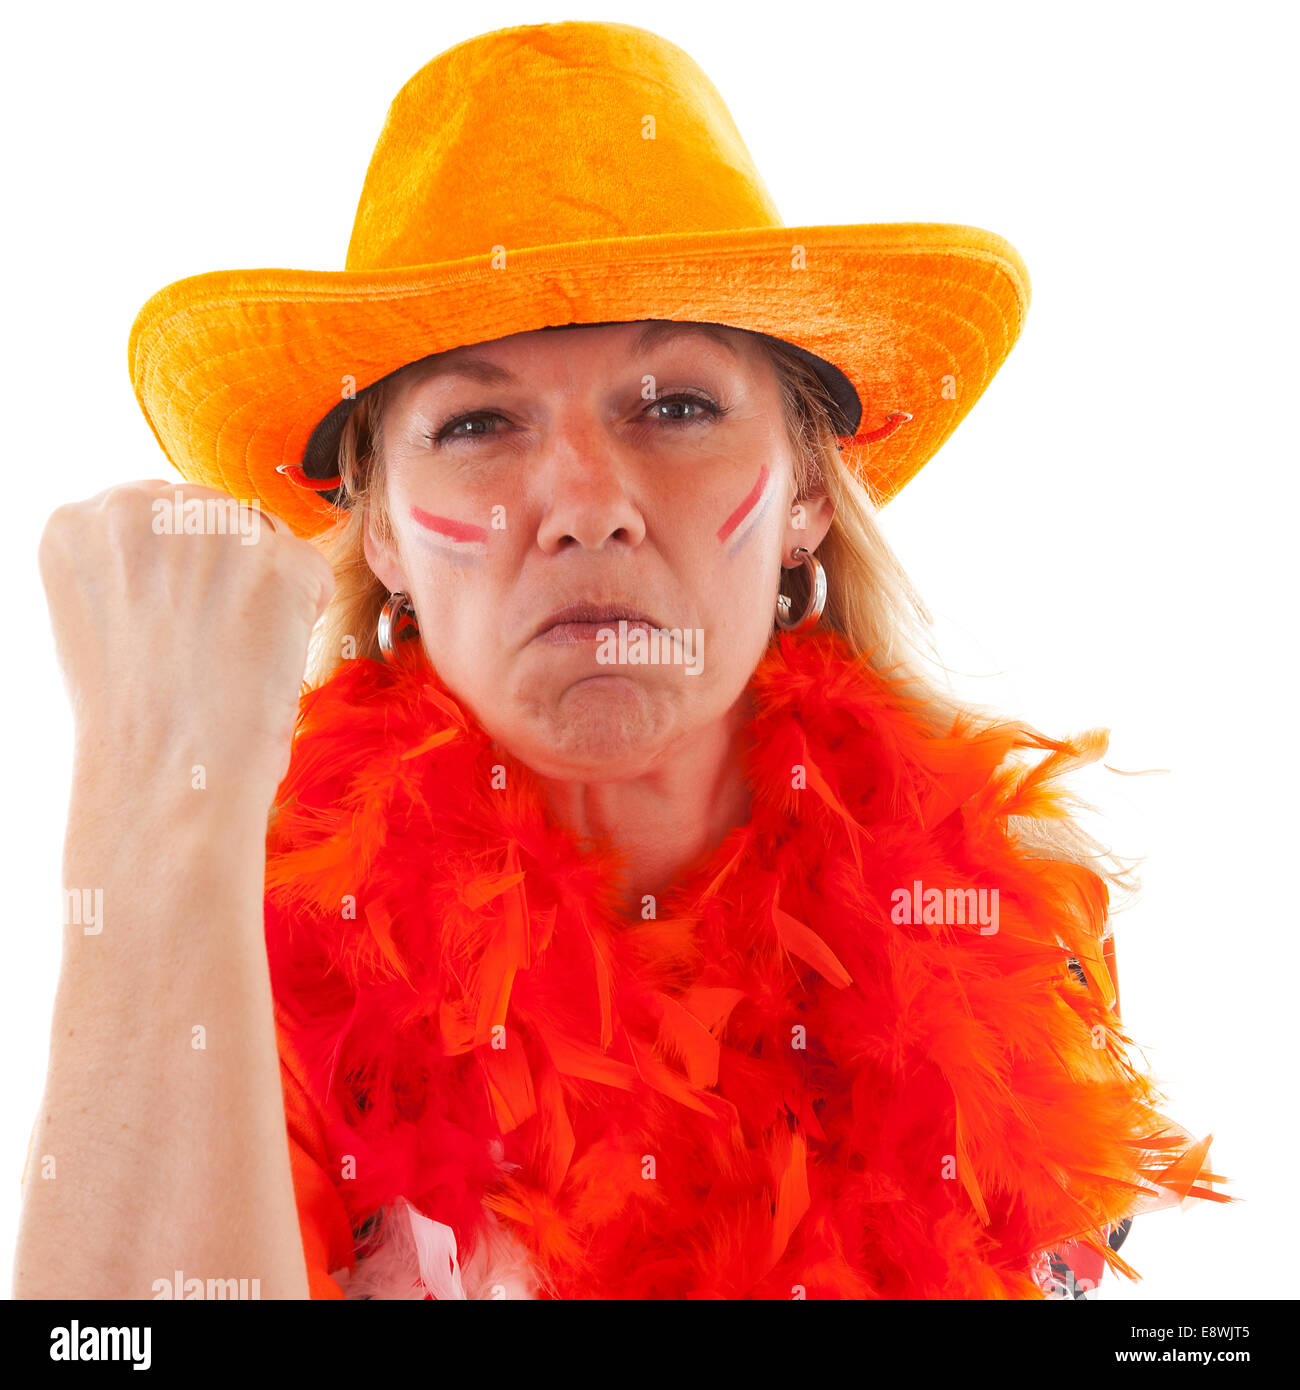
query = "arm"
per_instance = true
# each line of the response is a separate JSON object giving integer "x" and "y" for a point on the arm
{"x": 161, "y": 1142}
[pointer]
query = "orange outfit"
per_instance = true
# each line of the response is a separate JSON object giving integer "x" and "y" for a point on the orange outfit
{"x": 800, "y": 1073}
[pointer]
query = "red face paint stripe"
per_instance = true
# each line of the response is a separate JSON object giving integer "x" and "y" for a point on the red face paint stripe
{"x": 445, "y": 526}
{"x": 746, "y": 506}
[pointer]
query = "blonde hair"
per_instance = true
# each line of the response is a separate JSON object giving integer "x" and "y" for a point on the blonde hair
{"x": 870, "y": 601}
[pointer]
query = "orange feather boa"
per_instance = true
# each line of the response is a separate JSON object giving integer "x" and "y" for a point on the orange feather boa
{"x": 779, "y": 1083}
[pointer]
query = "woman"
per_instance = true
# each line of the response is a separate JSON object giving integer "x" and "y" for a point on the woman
{"x": 634, "y": 929}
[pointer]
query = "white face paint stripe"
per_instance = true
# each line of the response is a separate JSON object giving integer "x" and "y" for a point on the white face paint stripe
{"x": 750, "y": 523}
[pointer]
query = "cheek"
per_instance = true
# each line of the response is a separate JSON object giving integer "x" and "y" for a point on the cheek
{"x": 458, "y": 542}
{"x": 742, "y": 522}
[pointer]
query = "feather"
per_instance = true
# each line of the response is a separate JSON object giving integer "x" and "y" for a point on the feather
{"x": 435, "y": 1249}
{"x": 792, "y": 1198}
{"x": 772, "y": 1087}
{"x": 430, "y": 743}
{"x": 809, "y": 946}
{"x": 381, "y": 928}
{"x": 687, "y": 1038}
{"x": 415, "y": 1257}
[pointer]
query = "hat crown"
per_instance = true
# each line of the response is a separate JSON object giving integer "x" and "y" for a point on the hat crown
{"x": 543, "y": 134}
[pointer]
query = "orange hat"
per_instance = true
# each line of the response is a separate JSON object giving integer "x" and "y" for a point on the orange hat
{"x": 553, "y": 174}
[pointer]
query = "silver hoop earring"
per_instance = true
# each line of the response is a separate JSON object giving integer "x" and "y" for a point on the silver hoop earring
{"x": 816, "y": 599}
{"x": 396, "y": 624}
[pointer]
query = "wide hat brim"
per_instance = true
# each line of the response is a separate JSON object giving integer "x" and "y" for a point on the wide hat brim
{"x": 234, "y": 370}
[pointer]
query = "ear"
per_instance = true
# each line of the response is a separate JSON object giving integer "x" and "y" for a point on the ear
{"x": 810, "y": 519}
{"x": 383, "y": 560}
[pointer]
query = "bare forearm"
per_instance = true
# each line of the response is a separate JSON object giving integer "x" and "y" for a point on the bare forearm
{"x": 161, "y": 1144}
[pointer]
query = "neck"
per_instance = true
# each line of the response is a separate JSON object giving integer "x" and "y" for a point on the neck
{"x": 665, "y": 819}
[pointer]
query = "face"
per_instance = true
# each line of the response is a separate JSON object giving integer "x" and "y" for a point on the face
{"x": 641, "y": 468}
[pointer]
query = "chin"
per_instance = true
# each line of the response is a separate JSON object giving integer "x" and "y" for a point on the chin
{"x": 604, "y": 727}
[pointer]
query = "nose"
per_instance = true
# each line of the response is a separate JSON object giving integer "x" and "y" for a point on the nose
{"x": 584, "y": 478}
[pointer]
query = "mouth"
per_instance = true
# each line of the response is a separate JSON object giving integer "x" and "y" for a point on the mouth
{"x": 583, "y": 622}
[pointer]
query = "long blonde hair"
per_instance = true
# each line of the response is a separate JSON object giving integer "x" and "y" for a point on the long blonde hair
{"x": 870, "y": 601}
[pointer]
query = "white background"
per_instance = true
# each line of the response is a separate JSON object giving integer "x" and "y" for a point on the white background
{"x": 1106, "y": 540}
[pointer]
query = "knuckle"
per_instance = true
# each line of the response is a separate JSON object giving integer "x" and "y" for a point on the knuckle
{"x": 59, "y": 520}
{"x": 53, "y": 545}
{"x": 124, "y": 505}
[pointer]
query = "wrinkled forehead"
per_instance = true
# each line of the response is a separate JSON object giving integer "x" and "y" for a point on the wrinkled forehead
{"x": 740, "y": 346}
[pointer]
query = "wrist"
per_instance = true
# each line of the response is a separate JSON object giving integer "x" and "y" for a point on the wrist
{"x": 171, "y": 774}
{"x": 149, "y": 851}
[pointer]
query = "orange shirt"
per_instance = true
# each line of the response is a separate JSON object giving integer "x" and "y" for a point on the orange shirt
{"x": 326, "y": 1229}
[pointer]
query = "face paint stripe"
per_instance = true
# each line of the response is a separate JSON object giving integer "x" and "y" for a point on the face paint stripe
{"x": 738, "y": 515}
{"x": 451, "y": 556}
{"x": 751, "y": 526}
{"x": 457, "y": 542}
{"x": 445, "y": 526}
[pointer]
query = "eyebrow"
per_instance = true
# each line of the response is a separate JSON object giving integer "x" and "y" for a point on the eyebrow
{"x": 655, "y": 333}
{"x": 660, "y": 330}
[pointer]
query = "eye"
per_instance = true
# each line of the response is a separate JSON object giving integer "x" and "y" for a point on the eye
{"x": 446, "y": 430}
{"x": 706, "y": 410}
{"x": 711, "y": 410}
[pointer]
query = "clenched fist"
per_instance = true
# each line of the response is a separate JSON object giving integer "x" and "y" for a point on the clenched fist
{"x": 182, "y": 619}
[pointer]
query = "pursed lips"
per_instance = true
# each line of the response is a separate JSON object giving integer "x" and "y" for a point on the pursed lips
{"x": 581, "y": 621}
